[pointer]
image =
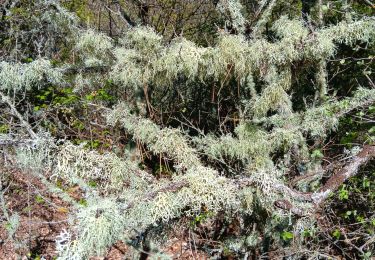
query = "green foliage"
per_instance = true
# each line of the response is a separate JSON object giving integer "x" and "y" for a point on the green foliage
{"x": 4, "y": 129}
{"x": 39, "y": 199}
{"x": 65, "y": 97}
{"x": 343, "y": 193}
{"x": 317, "y": 154}
{"x": 286, "y": 236}
{"x": 201, "y": 218}
{"x": 336, "y": 234}
{"x": 81, "y": 9}
{"x": 100, "y": 94}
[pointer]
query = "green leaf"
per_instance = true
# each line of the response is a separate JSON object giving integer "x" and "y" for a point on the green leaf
{"x": 92, "y": 183}
{"x": 82, "y": 202}
{"x": 39, "y": 199}
{"x": 4, "y": 129}
{"x": 317, "y": 154}
{"x": 343, "y": 193}
{"x": 287, "y": 235}
{"x": 336, "y": 234}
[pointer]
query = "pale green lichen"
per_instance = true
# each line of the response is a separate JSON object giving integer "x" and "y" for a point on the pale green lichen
{"x": 23, "y": 76}
{"x": 160, "y": 141}
{"x": 274, "y": 96}
{"x": 93, "y": 43}
{"x": 233, "y": 9}
{"x": 108, "y": 171}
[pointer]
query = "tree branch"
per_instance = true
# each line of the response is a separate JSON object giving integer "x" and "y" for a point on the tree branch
{"x": 15, "y": 142}
{"x": 333, "y": 183}
{"x": 362, "y": 158}
{"x": 15, "y": 112}
{"x": 88, "y": 69}
{"x": 124, "y": 15}
{"x": 298, "y": 195}
{"x": 172, "y": 187}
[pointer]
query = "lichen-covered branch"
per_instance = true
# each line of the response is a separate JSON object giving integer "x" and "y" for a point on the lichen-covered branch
{"x": 15, "y": 112}
{"x": 160, "y": 141}
{"x": 335, "y": 181}
{"x": 366, "y": 155}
